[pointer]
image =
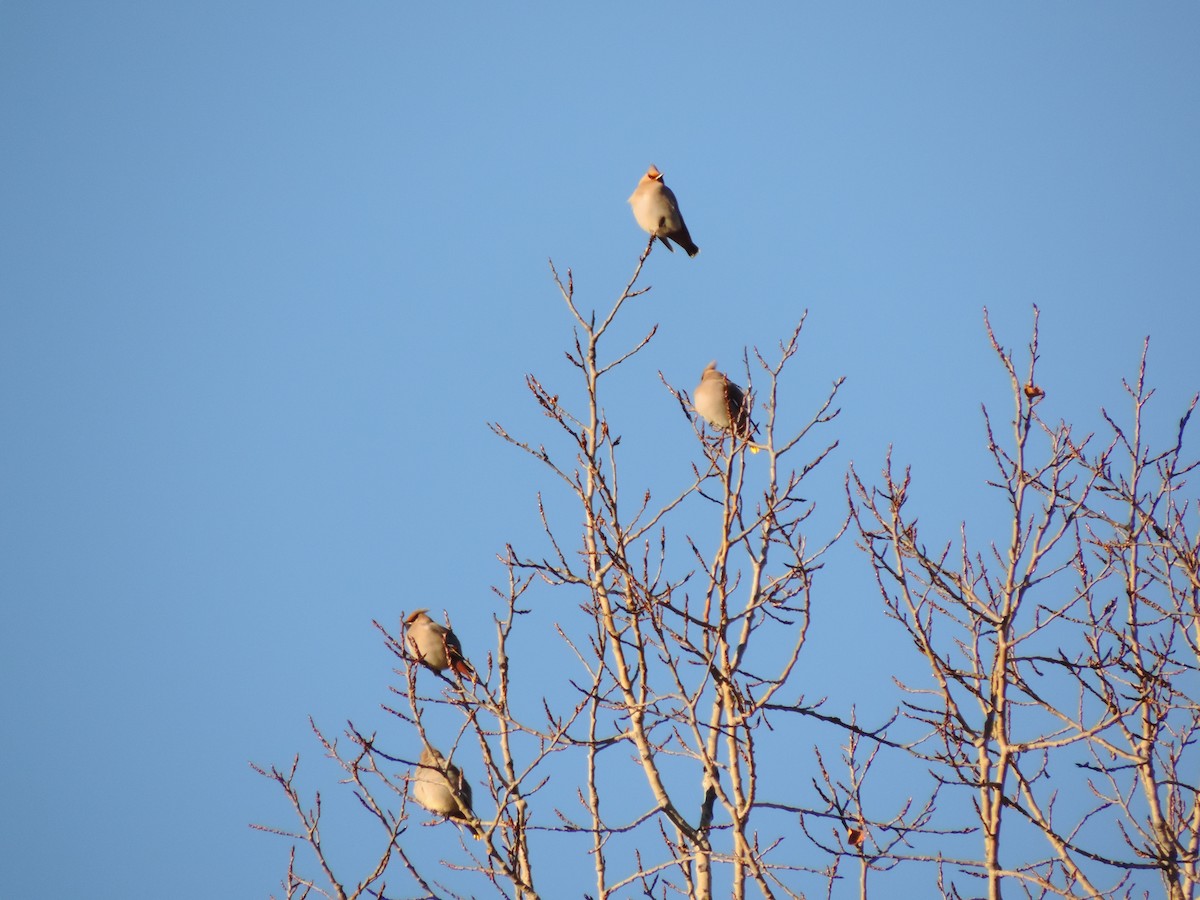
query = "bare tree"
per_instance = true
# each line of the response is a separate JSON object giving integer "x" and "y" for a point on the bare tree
{"x": 1056, "y": 725}
{"x": 677, "y": 670}
{"x": 1039, "y": 669}
{"x": 1141, "y": 630}
{"x": 670, "y": 678}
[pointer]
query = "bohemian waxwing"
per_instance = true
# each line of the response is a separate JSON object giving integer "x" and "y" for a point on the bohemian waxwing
{"x": 440, "y": 787}
{"x": 657, "y": 211}
{"x": 435, "y": 645}
{"x": 721, "y": 403}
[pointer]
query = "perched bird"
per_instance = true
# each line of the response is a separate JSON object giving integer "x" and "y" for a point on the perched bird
{"x": 657, "y": 211}
{"x": 435, "y": 645}
{"x": 722, "y": 404}
{"x": 440, "y": 787}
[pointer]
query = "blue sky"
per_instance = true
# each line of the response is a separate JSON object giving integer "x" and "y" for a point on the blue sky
{"x": 267, "y": 269}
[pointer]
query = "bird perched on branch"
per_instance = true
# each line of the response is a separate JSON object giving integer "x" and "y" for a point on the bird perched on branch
{"x": 435, "y": 645}
{"x": 440, "y": 787}
{"x": 657, "y": 211}
{"x": 723, "y": 405}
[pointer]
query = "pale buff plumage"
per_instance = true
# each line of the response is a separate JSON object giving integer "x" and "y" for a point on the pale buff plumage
{"x": 657, "y": 211}
{"x": 722, "y": 404}
{"x": 434, "y": 644}
{"x": 440, "y": 787}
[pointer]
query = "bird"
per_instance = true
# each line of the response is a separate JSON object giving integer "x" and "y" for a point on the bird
{"x": 435, "y": 645}
{"x": 722, "y": 404}
{"x": 657, "y": 211}
{"x": 440, "y": 787}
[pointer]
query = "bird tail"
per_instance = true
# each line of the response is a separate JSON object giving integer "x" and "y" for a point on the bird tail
{"x": 463, "y": 668}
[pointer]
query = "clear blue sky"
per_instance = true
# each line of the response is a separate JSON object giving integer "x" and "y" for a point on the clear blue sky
{"x": 266, "y": 269}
